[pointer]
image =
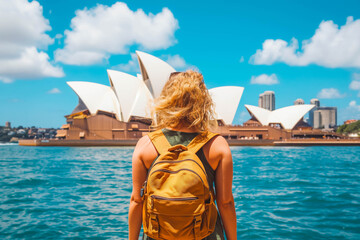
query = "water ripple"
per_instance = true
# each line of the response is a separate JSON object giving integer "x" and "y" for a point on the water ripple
{"x": 83, "y": 193}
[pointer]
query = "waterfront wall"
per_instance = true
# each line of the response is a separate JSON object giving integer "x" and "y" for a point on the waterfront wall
{"x": 232, "y": 142}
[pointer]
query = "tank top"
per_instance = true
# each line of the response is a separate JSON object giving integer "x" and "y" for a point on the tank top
{"x": 184, "y": 138}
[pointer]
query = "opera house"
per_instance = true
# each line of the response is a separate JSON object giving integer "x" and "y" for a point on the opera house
{"x": 118, "y": 114}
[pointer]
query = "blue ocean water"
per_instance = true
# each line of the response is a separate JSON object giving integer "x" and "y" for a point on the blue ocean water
{"x": 83, "y": 193}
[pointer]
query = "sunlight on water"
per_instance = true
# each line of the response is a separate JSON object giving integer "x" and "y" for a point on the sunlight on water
{"x": 81, "y": 193}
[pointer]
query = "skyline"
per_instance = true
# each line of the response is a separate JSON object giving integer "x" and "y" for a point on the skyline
{"x": 270, "y": 48}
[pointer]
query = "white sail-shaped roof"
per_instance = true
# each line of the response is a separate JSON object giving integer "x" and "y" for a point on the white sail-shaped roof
{"x": 226, "y": 101}
{"x": 97, "y": 97}
{"x": 155, "y": 72}
{"x": 130, "y": 96}
{"x": 142, "y": 100}
{"x": 288, "y": 117}
{"x": 126, "y": 88}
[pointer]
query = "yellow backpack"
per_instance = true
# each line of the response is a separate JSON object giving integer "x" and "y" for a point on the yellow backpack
{"x": 178, "y": 202}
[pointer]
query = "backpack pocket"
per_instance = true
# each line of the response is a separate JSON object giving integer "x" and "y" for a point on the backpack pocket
{"x": 210, "y": 216}
{"x": 175, "y": 206}
{"x": 174, "y": 227}
{"x": 176, "y": 216}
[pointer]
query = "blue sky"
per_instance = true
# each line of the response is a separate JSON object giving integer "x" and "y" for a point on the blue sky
{"x": 311, "y": 50}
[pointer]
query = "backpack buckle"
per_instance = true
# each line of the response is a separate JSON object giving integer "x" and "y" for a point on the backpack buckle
{"x": 197, "y": 220}
{"x": 178, "y": 148}
{"x": 142, "y": 190}
{"x": 197, "y": 224}
{"x": 154, "y": 224}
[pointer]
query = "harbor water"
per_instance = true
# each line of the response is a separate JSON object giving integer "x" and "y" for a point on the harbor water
{"x": 83, "y": 193}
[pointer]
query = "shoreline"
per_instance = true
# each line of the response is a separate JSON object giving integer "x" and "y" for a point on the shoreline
{"x": 232, "y": 142}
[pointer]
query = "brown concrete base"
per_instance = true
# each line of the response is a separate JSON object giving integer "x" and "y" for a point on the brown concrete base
{"x": 232, "y": 142}
{"x": 313, "y": 142}
{"x": 78, "y": 143}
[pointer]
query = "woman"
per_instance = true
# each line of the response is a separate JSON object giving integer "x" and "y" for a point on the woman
{"x": 183, "y": 110}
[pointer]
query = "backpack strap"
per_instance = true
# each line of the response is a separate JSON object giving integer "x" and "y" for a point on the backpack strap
{"x": 200, "y": 140}
{"x": 159, "y": 140}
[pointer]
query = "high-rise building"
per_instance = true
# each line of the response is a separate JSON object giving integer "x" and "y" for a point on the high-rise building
{"x": 299, "y": 101}
{"x": 267, "y": 100}
{"x": 7, "y": 124}
{"x": 315, "y": 102}
{"x": 325, "y": 117}
{"x": 261, "y": 100}
{"x": 322, "y": 117}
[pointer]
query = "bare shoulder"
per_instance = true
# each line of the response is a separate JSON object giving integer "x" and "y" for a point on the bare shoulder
{"x": 145, "y": 151}
{"x": 144, "y": 140}
{"x": 215, "y": 150}
{"x": 219, "y": 145}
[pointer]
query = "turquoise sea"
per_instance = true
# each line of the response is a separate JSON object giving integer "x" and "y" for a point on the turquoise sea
{"x": 83, "y": 193}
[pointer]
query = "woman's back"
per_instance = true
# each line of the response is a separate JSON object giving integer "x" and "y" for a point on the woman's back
{"x": 184, "y": 138}
{"x": 213, "y": 150}
{"x": 185, "y": 107}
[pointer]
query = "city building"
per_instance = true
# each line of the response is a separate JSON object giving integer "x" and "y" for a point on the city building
{"x": 299, "y": 101}
{"x": 267, "y": 100}
{"x": 315, "y": 102}
{"x": 8, "y": 125}
{"x": 322, "y": 117}
{"x": 325, "y": 118}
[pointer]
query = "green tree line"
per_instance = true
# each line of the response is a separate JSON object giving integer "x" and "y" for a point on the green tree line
{"x": 349, "y": 128}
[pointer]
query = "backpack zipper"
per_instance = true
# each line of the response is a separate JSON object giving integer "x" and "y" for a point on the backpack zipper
{"x": 142, "y": 192}
{"x": 176, "y": 161}
{"x": 182, "y": 169}
{"x": 170, "y": 199}
{"x": 174, "y": 199}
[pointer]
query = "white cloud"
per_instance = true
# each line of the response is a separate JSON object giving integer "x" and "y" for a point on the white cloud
{"x": 22, "y": 34}
{"x": 242, "y": 59}
{"x": 58, "y": 36}
{"x": 31, "y": 64}
{"x": 101, "y": 31}
{"x": 356, "y": 76}
{"x": 176, "y": 61}
{"x": 330, "y": 93}
{"x": 6, "y": 80}
{"x": 352, "y": 111}
{"x": 330, "y": 46}
{"x": 131, "y": 66}
{"x": 355, "y": 83}
{"x": 54, "y": 91}
{"x": 353, "y": 106}
{"x": 265, "y": 79}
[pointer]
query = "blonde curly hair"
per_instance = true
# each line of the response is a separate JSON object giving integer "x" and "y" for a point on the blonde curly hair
{"x": 184, "y": 102}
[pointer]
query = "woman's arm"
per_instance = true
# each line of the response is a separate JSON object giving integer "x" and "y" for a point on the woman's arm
{"x": 223, "y": 186}
{"x": 139, "y": 173}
